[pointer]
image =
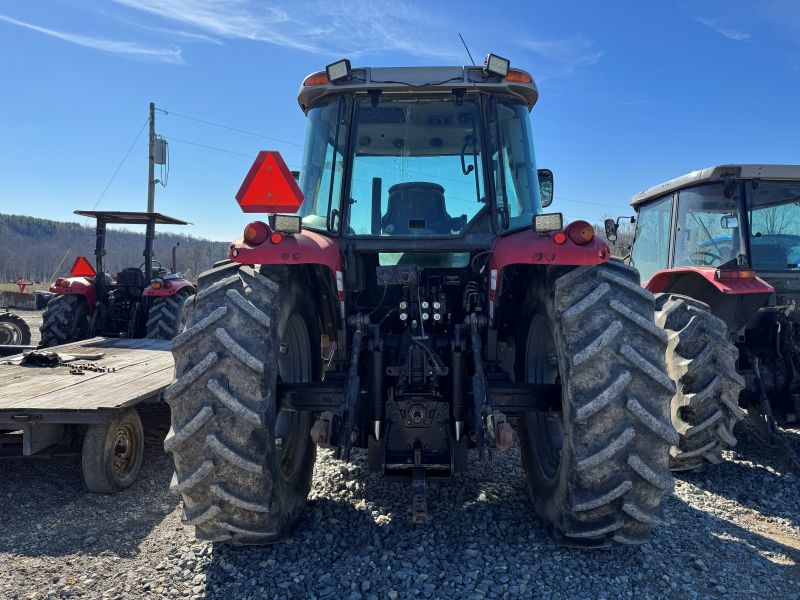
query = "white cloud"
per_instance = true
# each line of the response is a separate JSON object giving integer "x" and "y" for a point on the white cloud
{"x": 320, "y": 27}
{"x": 130, "y": 49}
{"x": 562, "y": 57}
{"x": 720, "y": 27}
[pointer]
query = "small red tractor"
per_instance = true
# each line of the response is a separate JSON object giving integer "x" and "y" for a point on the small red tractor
{"x": 139, "y": 302}
{"x": 720, "y": 249}
{"x": 416, "y": 302}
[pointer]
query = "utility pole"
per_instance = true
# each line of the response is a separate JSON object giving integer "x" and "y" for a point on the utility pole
{"x": 151, "y": 199}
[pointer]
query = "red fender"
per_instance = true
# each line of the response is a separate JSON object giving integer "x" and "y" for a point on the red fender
{"x": 661, "y": 279}
{"x": 175, "y": 285}
{"x": 531, "y": 248}
{"x": 305, "y": 248}
{"x": 77, "y": 286}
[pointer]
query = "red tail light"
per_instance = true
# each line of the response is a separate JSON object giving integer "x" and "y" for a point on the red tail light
{"x": 559, "y": 237}
{"x": 256, "y": 233}
{"x": 580, "y": 232}
{"x": 276, "y": 237}
{"x": 735, "y": 274}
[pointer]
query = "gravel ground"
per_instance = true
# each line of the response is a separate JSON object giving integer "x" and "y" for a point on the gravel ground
{"x": 732, "y": 531}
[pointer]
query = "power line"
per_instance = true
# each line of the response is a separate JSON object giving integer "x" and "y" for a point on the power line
{"x": 175, "y": 139}
{"x": 229, "y": 127}
{"x": 124, "y": 158}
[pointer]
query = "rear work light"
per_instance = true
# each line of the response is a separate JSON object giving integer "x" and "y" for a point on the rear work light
{"x": 320, "y": 78}
{"x": 338, "y": 71}
{"x": 496, "y": 65}
{"x": 256, "y": 233}
{"x": 735, "y": 274}
{"x": 548, "y": 222}
{"x": 288, "y": 224}
{"x": 580, "y": 232}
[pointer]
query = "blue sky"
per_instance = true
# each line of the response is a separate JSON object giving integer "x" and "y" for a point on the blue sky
{"x": 631, "y": 93}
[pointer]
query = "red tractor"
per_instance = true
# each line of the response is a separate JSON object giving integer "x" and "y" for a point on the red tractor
{"x": 418, "y": 303}
{"x": 720, "y": 248}
{"x": 139, "y": 302}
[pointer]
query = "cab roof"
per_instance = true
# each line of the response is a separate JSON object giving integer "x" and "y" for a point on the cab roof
{"x": 419, "y": 80}
{"x": 718, "y": 173}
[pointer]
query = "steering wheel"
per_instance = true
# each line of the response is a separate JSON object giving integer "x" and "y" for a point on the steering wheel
{"x": 705, "y": 258}
{"x": 141, "y": 266}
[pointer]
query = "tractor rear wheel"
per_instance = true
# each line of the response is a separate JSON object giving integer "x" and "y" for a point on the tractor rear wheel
{"x": 164, "y": 317}
{"x": 14, "y": 331}
{"x": 702, "y": 362}
{"x": 66, "y": 319}
{"x": 243, "y": 467}
{"x": 598, "y": 469}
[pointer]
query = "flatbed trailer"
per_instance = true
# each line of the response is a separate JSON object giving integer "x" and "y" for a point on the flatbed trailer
{"x": 85, "y": 406}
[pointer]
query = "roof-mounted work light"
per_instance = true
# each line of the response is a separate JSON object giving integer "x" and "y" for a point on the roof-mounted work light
{"x": 338, "y": 71}
{"x": 496, "y": 65}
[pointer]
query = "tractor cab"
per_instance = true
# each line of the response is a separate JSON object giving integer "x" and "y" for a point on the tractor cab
{"x": 96, "y": 302}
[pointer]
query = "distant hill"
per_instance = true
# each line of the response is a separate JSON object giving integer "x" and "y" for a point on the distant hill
{"x": 33, "y": 248}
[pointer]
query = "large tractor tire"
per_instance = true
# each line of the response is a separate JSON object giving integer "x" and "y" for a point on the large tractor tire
{"x": 14, "y": 331}
{"x": 243, "y": 467}
{"x": 164, "y": 317}
{"x": 66, "y": 319}
{"x": 702, "y": 361}
{"x": 597, "y": 470}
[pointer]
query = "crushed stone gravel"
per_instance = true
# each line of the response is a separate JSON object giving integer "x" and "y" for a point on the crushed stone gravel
{"x": 730, "y": 531}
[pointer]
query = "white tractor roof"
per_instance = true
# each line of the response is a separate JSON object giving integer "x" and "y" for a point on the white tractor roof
{"x": 718, "y": 173}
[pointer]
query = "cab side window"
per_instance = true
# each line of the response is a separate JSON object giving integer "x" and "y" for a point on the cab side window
{"x": 651, "y": 244}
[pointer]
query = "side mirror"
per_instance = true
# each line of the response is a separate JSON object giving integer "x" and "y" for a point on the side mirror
{"x": 729, "y": 221}
{"x": 611, "y": 230}
{"x": 545, "y": 186}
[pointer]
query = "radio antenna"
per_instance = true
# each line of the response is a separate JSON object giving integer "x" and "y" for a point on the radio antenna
{"x": 467, "y": 49}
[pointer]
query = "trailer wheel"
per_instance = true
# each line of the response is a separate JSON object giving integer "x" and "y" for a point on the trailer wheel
{"x": 242, "y": 466}
{"x": 598, "y": 469}
{"x": 702, "y": 361}
{"x": 66, "y": 319}
{"x": 112, "y": 453}
{"x": 14, "y": 331}
{"x": 164, "y": 317}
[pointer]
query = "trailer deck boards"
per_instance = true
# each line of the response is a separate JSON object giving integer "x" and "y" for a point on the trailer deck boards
{"x": 136, "y": 369}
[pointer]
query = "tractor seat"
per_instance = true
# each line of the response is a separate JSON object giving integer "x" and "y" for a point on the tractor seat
{"x": 131, "y": 277}
{"x": 416, "y": 208}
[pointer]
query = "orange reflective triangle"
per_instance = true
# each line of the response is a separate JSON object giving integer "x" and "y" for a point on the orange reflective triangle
{"x": 269, "y": 186}
{"x": 82, "y": 268}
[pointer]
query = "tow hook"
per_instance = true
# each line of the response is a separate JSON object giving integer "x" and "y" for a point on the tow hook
{"x": 321, "y": 431}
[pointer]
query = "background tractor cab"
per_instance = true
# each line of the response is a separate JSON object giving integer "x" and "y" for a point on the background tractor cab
{"x": 729, "y": 236}
{"x": 143, "y": 301}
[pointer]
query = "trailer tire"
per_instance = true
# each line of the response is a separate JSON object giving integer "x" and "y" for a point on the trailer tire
{"x": 702, "y": 361}
{"x": 597, "y": 471}
{"x": 243, "y": 468}
{"x": 164, "y": 317}
{"x": 14, "y": 331}
{"x": 66, "y": 319}
{"x": 112, "y": 453}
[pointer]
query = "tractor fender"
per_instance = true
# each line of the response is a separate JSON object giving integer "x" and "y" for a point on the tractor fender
{"x": 531, "y": 248}
{"x": 735, "y": 301}
{"x": 304, "y": 248}
{"x": 662, "y": 281}
{"x": 78, "y": 286}
{"x": 176, "y": 285}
